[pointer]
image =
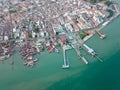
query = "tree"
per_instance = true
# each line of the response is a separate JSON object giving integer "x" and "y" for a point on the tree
{"x": 36, "y": 29}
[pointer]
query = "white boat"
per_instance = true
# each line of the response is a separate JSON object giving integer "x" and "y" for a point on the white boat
{"x": 2, "y": 58}
{"x": 90, "y": 50}
{"x": 56, "y": 50}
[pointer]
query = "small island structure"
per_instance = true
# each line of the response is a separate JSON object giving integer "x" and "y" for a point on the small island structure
{"x": 102, "y": 36}
{"x": 38, "y": 25}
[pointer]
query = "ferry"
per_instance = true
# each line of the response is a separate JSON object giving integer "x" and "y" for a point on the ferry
{"x": 89, "y": 50}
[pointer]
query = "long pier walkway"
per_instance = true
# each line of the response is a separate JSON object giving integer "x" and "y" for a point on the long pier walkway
{"x": 80, "y": 55}
{"x": 66, "y": 62}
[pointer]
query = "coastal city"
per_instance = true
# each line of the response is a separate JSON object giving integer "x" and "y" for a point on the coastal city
{"x": 33, "y": 26}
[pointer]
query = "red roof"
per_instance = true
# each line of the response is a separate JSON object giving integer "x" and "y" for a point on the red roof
{"x": 63, "y": 39}
{"x": 52, "y": 32}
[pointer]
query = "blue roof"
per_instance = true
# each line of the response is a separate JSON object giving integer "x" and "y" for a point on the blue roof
{"x": 70, "y": 37}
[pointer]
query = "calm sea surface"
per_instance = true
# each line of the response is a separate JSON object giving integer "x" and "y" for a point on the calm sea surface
{"x": 48, "y": 75}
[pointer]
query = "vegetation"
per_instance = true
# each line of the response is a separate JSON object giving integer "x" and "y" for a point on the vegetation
{"x": 94, "y": 1}
{"x": 17, "y": 37}
{"x": 108, "y": 3}
{"x": 6, "y": 45}
{"x": 44, "y": 33}
{"x": 75, "y": 20}
{"x": 12, "y": 11}
{"x": 13, "y": 41}
{"x": 36, "y": 29}
{"x": 23, "y": 26}
{"x": 31, "y": 20}
{"x": 111, "y": 13}
{"x": 29, "y": 35}
{"x": 83, "y": 35}
{"x": 42, "y": 49}
{"x": 58, "y": 44}
{"x": 1, "y": 16}
{"x": 67, "y": 42}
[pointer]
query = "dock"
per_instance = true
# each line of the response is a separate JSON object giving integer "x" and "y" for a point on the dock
{"x": 99, "y": 58}
{"x": 65, "y": 62}
{"x": 102, "y": 36}
{"x": 79, "y": 54}
{"x": 91, "y": 52}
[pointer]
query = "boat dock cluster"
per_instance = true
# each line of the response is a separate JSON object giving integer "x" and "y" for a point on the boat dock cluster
{"x": 6, "y": 50}
{"x": 27, "y": 51}
{"x": 30, "y": 61}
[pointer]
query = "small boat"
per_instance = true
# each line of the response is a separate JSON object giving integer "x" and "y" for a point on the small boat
{"x": 35, "y": 60}
{"x": 56, "y": 50}
{"x": 2, "y": 58}
{"x": 12, "y": 62}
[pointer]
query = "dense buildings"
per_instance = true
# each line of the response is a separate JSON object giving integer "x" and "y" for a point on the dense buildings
{"x": 48, "y": 23}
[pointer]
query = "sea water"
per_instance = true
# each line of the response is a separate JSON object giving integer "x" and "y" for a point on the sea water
{"x": 48, "y": 74}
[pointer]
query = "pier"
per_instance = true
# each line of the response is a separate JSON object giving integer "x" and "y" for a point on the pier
{"x": 91, "y": 52}
{"x": 98, "y": 58}
{"x": 79, "y": 54}
{"x": 66, "y": 62}
{"x": 102, "y": 36}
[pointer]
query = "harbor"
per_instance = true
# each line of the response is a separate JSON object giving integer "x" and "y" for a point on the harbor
{"x": 36, "y": 78}
{"x": 33, "y": 35}
{"x": 79, "y": 55}
{"x": 48, "y": 59}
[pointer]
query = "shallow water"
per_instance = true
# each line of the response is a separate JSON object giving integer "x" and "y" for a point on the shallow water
{"x": 48, "y": 75}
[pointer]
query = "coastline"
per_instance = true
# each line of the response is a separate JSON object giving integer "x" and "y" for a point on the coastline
{"x": 105, "y": 23}
{"x": 47, "y": 76}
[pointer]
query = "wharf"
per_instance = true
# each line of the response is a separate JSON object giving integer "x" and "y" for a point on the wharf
{"x": 79, "y": 54}
{"x": 102, "y": 36}
{"x": 66, "y": 62}
{"x": 91, "y": 51}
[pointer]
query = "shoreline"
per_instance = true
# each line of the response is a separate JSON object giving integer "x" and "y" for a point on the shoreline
{"x": 105, "y": 23}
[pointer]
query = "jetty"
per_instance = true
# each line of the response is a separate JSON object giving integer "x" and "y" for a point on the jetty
{"x": 91, "y": 52}
{"x": 98, "y": 58}
{"x": 66, "y": 62}
{"x": 80, "y": 55}
{"x": 102, "y": 36}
